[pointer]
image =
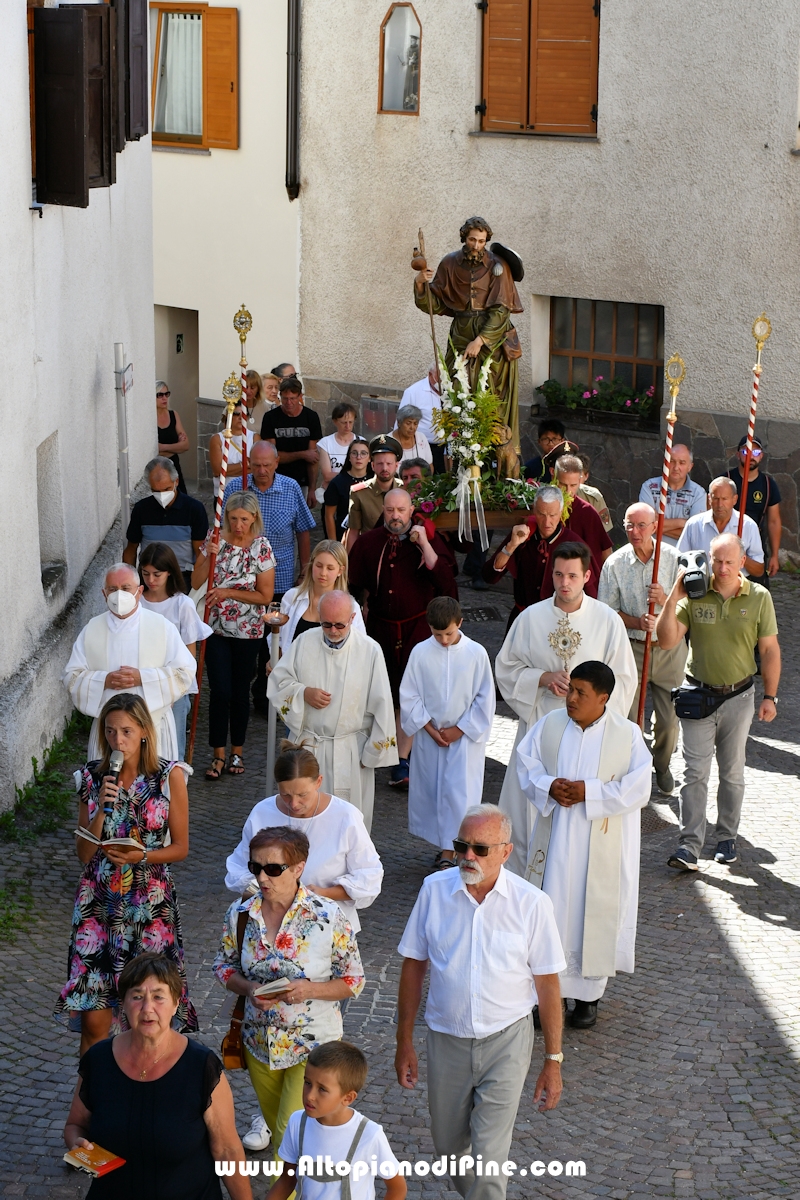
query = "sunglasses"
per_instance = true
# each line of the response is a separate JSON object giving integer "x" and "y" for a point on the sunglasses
{"x": 480, "y": 850}
{"x": 167, "y": 394}
{"x": 337, "y": 625}
{"x": 756, "y": 452}
{"x": 273, "y": 870}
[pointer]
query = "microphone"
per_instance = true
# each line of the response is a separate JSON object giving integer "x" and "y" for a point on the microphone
{"x": 115, "y": 764}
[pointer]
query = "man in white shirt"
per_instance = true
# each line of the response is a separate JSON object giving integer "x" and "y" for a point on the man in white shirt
{"x": 494, "y": 952}
{"x": 426, "y": 396}
{"x": 685, "y": 498}
{"x": 129, "y": 649}
{"x": 700, "y": 530}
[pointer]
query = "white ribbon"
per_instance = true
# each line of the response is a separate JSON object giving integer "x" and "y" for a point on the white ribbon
{"x": 465, "y": 478}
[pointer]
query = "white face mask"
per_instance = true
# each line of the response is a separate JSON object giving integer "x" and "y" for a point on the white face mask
{"x": 163, "y": 498}
{"x": 121, "y": 604}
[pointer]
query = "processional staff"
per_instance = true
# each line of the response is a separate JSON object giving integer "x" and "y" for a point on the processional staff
{"x": 761, "y": 331}
{"x": 232, "y": 392}
{"x": 243, "y": 323}
{"x": 419, "y": 263}
{"x": 674, "y": 373}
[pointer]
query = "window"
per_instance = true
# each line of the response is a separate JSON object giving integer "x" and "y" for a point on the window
{"x": 601, "y": 337}
{"x": 401, "y": 38}
{"x": 88, "y": 79}
{"x": 195, "y": 75}
{"x": 540, "y": 66}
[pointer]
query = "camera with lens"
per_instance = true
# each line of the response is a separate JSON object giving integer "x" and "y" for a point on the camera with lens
{"x": 696, "y": 580}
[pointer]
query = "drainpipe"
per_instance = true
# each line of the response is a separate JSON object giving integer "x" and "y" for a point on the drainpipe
{"x": 293, "y": 101}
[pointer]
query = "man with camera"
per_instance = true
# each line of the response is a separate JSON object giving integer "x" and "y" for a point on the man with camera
{"x": 716, "y": 703}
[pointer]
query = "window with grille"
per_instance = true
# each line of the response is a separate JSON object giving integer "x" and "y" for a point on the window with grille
{"x": 606, "y": 338}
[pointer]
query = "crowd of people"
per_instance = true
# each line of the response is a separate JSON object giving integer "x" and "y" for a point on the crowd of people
{"x": 530, "y": 905}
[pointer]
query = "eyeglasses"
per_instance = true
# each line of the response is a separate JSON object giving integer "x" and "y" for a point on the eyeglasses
{"x": 273, "y": 870}
{"x": 480, "y": 850}
{"x": 337, "y": 625}
{"x": 167, "y": 394}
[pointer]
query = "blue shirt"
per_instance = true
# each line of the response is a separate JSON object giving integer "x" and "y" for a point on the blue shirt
{"x": 284, "y": 513}
{"x": 682, "y": 503}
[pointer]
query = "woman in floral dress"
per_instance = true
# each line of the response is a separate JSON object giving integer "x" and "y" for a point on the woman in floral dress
{"x": 126, "y": 901}
{"x": 243, "y": 583}
{"x": 286, "y": 932}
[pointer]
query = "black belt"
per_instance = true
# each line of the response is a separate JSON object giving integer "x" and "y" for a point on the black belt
{"x": 724, "y": 689}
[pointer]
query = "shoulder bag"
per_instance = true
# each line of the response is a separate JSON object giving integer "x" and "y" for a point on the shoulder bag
{"x": 232, "y": 1049}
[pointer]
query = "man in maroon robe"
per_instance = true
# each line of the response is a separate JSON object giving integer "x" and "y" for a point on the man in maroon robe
{"x": 401, "y": 565}
{"x": 583, "y": 521}
{"x": 475, "y": 287}
{"x": 527, "y": 553}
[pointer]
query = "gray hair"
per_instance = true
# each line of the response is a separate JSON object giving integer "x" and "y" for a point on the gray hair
{"x": 723, "y": 479}
{"x": 568, "y": 464}
{"x": 161, "y": 464}
{"x": 121, "y": 566}
{"x": 337, "y": 594}
{"x": 406, "y": 411}
{"x": 161, "y": 383}
{"x": 245, "y": 502}
{"x": 549, "y": 494}
{"x": 683, "y": 446}
{"x": 728, "y": 537}
{"x": 491, "y": 810}
{"x": 414, "y": 462}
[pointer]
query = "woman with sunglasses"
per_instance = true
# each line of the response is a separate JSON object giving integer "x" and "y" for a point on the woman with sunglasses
{"x": 287, "y": 933}
{"x": 172, "y": 438}
{"x": 355, "y": 469}
{"x": 216, "y": 443}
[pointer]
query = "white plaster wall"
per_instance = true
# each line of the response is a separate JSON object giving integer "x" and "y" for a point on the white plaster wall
{"x": 687, "y": 198}
{"x": 225, "y": 231}
{"x": 74, "y": 282}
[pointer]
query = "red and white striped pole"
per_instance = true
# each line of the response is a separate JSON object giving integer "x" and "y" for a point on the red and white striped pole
{"x": 761, "y": 331}
{"x": 675, "y": 372}
{"x": 230, "y": 390}
{"x": 243, "y": 323}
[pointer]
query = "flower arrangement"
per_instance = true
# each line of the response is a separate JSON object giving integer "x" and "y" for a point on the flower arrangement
{"x": 605, "y": 395}
{"x": 439, "y": 493}
{"x": 467, "y": 419}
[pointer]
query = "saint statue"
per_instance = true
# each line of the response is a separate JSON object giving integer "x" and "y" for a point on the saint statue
{"x": 475, "y": 286}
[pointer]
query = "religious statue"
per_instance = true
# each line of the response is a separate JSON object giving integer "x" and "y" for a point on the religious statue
{"x": 476, "y": 287}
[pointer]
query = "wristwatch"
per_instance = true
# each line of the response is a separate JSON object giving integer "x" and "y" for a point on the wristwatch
{"x": 559, "y": 1058}
{"x": 774, "y": 700}
{"x": 143, "y": 860}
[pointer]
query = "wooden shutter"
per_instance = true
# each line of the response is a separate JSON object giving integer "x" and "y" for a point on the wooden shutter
{"x": 60, "y": 96}
{"x": 100, "y": 154}
{"x": 221, "y": 77}
{"x": 563, "y": 77}
{"x": 119, "y": 82}
{"x": 505, "y": 64}
{"x": 137, "y": 71}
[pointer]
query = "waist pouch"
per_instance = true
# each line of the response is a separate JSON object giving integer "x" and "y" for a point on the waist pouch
{"x": 695, "y": 703}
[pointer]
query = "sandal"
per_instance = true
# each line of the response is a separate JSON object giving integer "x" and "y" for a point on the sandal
{"x": 236, "y": 765}
{"x": 215, "y": 772}
{"x": 441, "y": 863}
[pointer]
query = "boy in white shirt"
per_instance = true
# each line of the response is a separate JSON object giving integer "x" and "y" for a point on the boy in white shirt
{"x": 329, "y": 1132}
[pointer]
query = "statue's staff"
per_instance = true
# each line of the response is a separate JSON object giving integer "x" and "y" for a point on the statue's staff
{"x": 761, "y": 331}
{"x": 243, "y": 323}
{"x": 420, "y": 263}
{"x": 674, "y": 373}
{"x": 231, "y": 391}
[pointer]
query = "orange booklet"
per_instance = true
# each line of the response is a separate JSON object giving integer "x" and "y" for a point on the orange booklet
{"x": 96, "y": 1161}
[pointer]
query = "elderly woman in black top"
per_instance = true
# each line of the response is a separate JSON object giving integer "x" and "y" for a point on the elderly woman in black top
{"x": 156, "y": 1099}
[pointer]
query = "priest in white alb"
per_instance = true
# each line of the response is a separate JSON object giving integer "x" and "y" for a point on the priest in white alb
{"x": 447, "y": 697}
{"x": 128, "y": 649}
{"x": 586, "y": 772}
{"x": 332, "y": 690}
{"x": 531, "y": 668}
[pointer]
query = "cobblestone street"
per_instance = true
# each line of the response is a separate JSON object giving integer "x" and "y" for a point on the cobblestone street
{"x": 686, "y": 1087}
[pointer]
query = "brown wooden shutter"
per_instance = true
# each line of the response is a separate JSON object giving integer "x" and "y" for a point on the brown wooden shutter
{"x": 137, "y": 70}
{"x": 505, "y": 64}
{"x": 563, "y": 77}
{"x": 221, "y": 77}
{"x": 100, "y": 153}
{"x": 119, "y": 83}
{"x": 60, "y": 91}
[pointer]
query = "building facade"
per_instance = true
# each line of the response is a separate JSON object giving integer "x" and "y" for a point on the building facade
{"x": 76, "y": 279}
{"x": 641, "y": 161}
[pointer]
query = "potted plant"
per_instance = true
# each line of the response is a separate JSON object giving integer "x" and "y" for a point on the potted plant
{"x": 602, "y": 397}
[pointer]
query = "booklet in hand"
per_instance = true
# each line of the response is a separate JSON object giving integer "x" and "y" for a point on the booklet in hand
{"x": 274, "y": 986}
{"x": 95, "y": 1162}
{"x": 125, "y": 841}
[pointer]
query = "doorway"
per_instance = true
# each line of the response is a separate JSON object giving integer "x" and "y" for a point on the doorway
{"x": 178, "y": 362}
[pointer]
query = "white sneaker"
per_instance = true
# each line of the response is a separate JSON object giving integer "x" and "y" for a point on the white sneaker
{"x": 258, "y": 1136}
